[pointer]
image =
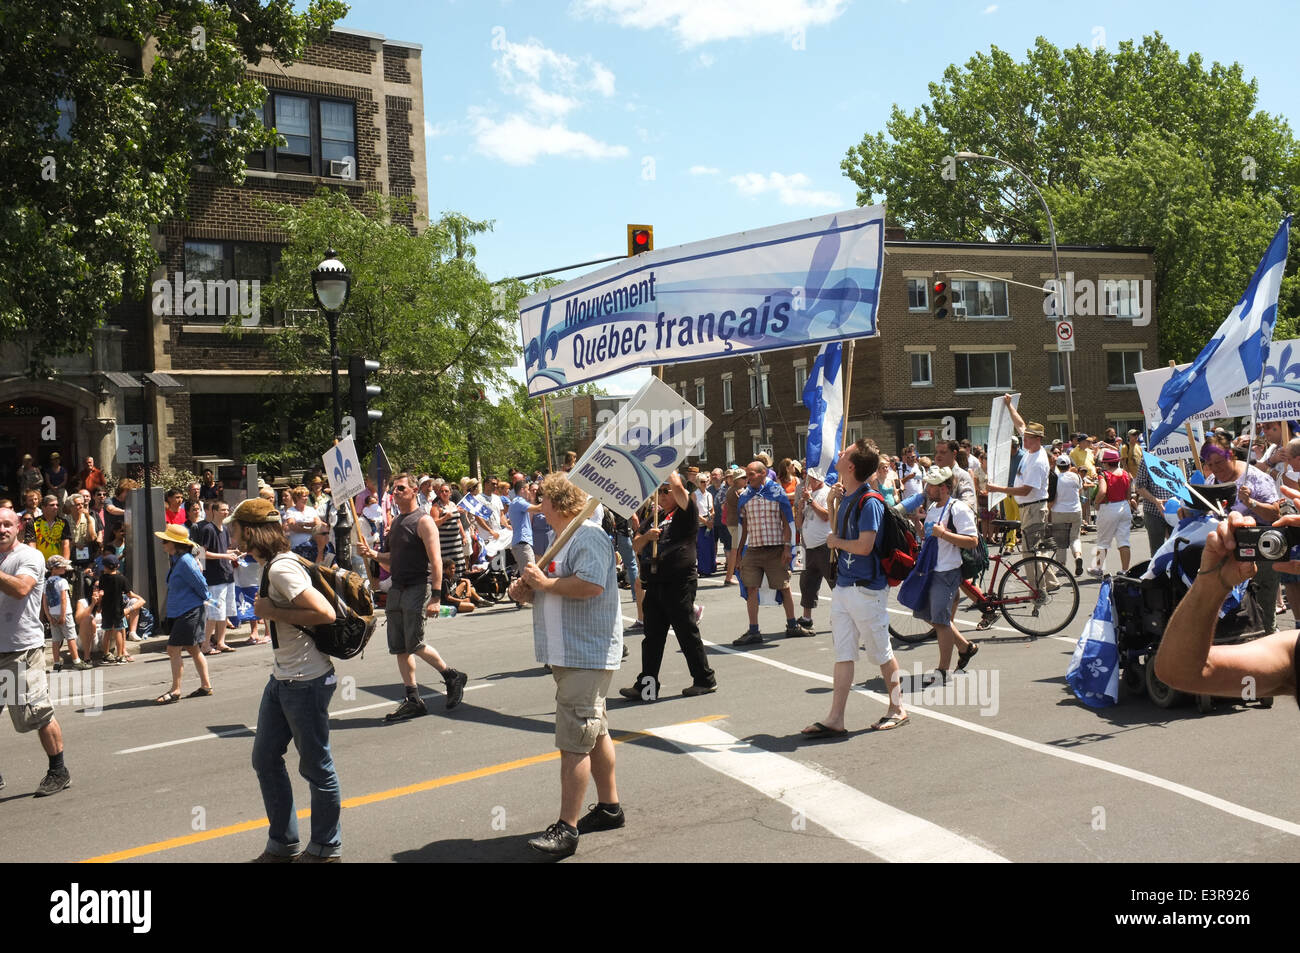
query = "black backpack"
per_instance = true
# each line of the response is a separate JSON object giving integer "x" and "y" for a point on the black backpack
{"x": 896, "y": 543}
{"x": 354, "y": 610}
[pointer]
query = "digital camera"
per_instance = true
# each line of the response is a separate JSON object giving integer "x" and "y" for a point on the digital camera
{"x": 1266, "y": 542}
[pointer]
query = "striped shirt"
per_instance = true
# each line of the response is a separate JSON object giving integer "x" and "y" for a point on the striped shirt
{"x": 581, "y": 633}
{"x": 450, "y": 540}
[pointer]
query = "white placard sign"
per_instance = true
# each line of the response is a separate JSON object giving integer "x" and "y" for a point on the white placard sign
{"x": 130, "y": 443}
{"x": 1175, "y": 446}
{"x": 1001, "y": 430}
{"x": 343, "y": 470}
{"x": 635, "y": 452}
{"x": 1279, "y": 397}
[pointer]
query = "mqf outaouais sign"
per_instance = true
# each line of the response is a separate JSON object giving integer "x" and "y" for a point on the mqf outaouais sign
{"x": 788, "y": 285}
{"x": 634, "y": 453}
{"x": 343, "y": 470}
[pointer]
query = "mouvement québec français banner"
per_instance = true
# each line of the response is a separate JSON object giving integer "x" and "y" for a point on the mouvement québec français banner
{"x": 783, "y": 286}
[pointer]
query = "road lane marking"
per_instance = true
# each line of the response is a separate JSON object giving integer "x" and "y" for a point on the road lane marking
{"x": 250, "y": 731}
{"x": 365, "y": 799}
{"x": 1210, "y": 800}
{"x": 861, "y": 820}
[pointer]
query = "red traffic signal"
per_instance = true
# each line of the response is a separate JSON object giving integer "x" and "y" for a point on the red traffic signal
{"x": 640, "y": 238}
{"x": 939, "y": 299}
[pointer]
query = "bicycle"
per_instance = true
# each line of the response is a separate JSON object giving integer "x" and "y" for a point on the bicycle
{"x": 1027, "y": 595}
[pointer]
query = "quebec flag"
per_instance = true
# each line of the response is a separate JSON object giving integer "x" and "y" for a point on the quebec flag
{"x": 823, "y": 395}
{"x": 1236, "y": 355}
{"x": 1093, "y": 674}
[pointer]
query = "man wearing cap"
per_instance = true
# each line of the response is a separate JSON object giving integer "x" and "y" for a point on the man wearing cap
{"x": 1130, "y": 455}
{"x": 1030, "y": 486}
{"x": 819, "y": 562}
{"x": 22, "y": 650}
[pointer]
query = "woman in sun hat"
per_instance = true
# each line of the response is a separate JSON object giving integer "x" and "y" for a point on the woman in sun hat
{"x": 187, "y": 592}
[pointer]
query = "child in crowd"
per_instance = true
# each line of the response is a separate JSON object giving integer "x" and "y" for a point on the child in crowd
{"x": 58, "y": 609}
{"x": 111, "y": 606}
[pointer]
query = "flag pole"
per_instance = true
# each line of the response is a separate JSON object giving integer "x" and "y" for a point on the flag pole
{"x": 847, "y": 380}
{"x": 546, "y": 422}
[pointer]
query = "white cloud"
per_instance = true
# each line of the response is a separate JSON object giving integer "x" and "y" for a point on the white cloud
{"x": 705, "y": 21}
{"x": 991, "y": 8}
{"x": 706, "y": 60}
{"x": 543, "y": 66}
{"x": 790, "y": 189}
{"x": 434, "y": 130}
{"x": 518, "y": 140}
{"x": 704, "y": 170}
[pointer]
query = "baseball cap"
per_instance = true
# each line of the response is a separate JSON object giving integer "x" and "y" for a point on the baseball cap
{"x": 109, "y": 560}
{"x": 253, "y": 511}
{"x": 58, "y": 562}
{"x": 936, "y": 475}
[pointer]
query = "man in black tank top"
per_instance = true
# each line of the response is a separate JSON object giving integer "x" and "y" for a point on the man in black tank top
{"x": 414, "y": 561}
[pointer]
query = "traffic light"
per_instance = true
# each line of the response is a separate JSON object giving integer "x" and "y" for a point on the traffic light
{"x": 939, "y": 298}
{"x": 640, "y": 238}
{"x": 363, "y": 393}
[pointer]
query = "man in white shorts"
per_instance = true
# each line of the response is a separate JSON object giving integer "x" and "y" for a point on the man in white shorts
{"x": 860, "y": 599}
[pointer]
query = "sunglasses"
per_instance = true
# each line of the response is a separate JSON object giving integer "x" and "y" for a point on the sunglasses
{"x": 400, "y": 489}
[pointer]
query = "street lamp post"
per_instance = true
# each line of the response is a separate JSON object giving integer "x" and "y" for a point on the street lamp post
{"x": 1056, "y": 268}
{"x": 331, "y": 284}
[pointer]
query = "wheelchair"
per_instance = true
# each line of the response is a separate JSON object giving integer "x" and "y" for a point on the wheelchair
{"x": 492, "y": 582}
{"x": 1142, "y": 609}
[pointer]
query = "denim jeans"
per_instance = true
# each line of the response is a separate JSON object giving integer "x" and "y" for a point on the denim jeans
{"x": 624, "y": 546}
{"x": 298, "y": 711}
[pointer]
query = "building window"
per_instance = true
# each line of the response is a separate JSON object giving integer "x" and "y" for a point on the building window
{"x": 801, "y": 442}
{"x": 726, "y": 399}
{"x": 921, "y": 376}
{"x": 800, "y": 382}
{"x": 1062, "y": 431}
{"x": 986, "y": 370}
{"x": 729, "y": 447}
{"x": 1120, "y": 368}
{"x": 980, "y": 299}
{"x": 317, "y": 136}
{"x": 699, "y": 392}
{"x": 979, "y": 435}
{"x": 1121, "y": 298}
{"x": 854, "y": 433}
{"x": 1055, "y": 370}
{"x": 223, "y": 261}
{"x": 1124, "y": 424}
{"x": 754, "y": 389}
{"x": 582, "y": 427}
{"x": 918, "y": 298}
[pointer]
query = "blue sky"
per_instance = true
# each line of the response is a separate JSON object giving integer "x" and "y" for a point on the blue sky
{"x": 564, "y": 121}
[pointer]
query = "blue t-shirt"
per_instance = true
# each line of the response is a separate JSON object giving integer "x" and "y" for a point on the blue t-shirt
{"x": 517, "y": 514}
{"x": 851, "y": 568}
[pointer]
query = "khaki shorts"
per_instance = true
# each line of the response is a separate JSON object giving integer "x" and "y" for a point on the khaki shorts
{"x": 24, "y": 689}
{"x": 766, "y": 561}
{"x": 580, "y": 707}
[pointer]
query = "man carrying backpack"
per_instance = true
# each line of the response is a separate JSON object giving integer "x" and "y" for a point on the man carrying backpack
{"x": 860, "y": 599}
{"x": 295, "y": 704}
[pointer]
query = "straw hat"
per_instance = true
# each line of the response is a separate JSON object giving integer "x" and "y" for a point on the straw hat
{"x": 175, "y": 533}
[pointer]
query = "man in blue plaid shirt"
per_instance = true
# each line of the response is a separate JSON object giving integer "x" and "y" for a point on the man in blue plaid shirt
{"x": 577, "y": 631}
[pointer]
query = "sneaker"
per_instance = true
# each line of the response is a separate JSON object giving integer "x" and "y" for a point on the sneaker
{"x": 134, "y": 637}
{"x": 81, "y": 665}
{"x": 54, "y": 782}
{"x": 599, "y": 819}
{"x": 307, "y": 857}
{"x": 691, "y": 691}
{"x": 266, "y": 857}
{"x": 806, "y": 624}
{"x": 1078, "y": 566}
{"x": 106, "y": 660}
{"x": 560, "y": 840}
{"x": 698, "y": 614}
{"x": 793, "y": 628}
{"x": 455, "y": 688}
{"x": 749, "y": 638}
{"x": 637, "y": 626}
{"x": 411, "y": 707}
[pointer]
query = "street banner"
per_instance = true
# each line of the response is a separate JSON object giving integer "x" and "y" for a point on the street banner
{"x": 789, "y": 285}
{"x": 344, "y": 470}
{"x": 1001, "y": 430}
{"x": 634, "y": 453}
{"x": 1175, "y": 446}
{"x": 1279, "y": 397}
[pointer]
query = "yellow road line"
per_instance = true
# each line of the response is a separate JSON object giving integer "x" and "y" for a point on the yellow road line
{"x": 242, "y": 828}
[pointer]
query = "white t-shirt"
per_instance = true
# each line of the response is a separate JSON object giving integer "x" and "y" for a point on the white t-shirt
{"x": 307, "y": 515}
{"x": 816, "y": 529}
{"x": 1033, "y": 474}
{"x": 704, "y": 504}
{"x": 20, "y": 619}
{"x": 912, "y": 481}
{"x": 297, "y": 656}
{"x": 963, "y": 524}
{"x": 1068, "y": 487}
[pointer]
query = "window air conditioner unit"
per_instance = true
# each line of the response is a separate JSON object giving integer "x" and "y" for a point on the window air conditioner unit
{"x": 341, "y": 169}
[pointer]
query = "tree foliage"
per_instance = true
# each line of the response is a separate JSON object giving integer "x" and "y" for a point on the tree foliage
{"x": 79, "y": 203}
{"x": 440, "y": 330}
{"x": 1132, "y": 147}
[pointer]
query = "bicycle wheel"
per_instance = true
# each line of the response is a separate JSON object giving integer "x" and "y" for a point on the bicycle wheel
{"x": 905, "y": 628}
{"x": 1035, "y": 603}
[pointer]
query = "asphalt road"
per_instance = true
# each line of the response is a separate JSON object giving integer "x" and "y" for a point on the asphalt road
{"x": 1007, "y": 766}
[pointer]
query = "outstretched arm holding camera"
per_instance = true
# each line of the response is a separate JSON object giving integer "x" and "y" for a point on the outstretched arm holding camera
{"x": 1189, "y": 661}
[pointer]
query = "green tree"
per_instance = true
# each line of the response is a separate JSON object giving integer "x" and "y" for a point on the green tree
{"x": 99, "y": 139}
{"x": 1132, "y": 147}
{"x": 438, "y": 327}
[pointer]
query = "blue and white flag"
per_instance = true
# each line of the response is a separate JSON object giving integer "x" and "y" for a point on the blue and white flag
{"x": 475, "y": 506}
{"x": 1168, "y": 477}
{"x": 1093, "y": 674}
{"x": 1236, "y": 355}
{"x": 823, "y": 395}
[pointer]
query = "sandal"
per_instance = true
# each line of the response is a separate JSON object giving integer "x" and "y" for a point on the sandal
{"x": 890, "y": 722}
{"x": 167, "y": 699}
{"x": 964, "y": 657}
{"x": 257, "y": 641}
{"x": 226, "y": 648}
{"x": 200, "y": 692}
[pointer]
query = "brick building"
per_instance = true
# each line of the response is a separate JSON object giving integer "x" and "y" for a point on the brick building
{"x": 351, "y": 114}
{"x": 922, "y": 374}
{"x": 576, "y": 419}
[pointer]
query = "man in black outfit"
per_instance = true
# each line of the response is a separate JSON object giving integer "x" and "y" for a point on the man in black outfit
{"x": 670, "y": 579}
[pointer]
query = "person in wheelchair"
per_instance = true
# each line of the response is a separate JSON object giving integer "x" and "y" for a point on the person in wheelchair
{"x": 1188, "y": 659}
